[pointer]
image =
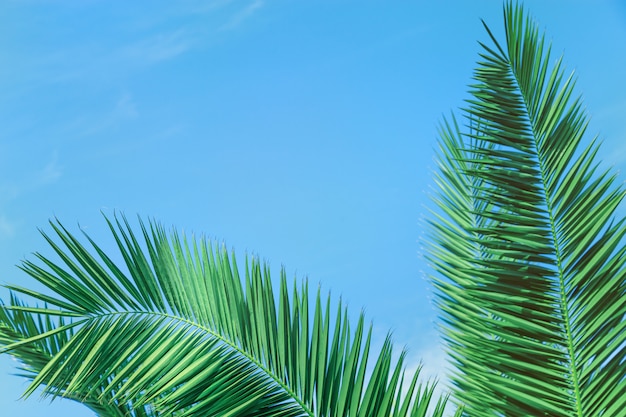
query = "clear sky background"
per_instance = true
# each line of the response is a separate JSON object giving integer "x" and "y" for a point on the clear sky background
{"x": 303, "y": 132}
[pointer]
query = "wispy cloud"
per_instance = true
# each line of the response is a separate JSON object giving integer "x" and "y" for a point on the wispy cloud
{"x": 48, "y": 173}
{"x": 242, "y": 15}
{"x": 106, "y": 61}
{"x": 617, "y": 156}
{"x": 156, "y": 48}
{"x": 610, "y": 120}
{"x": 51, "y": 172}
{"x": 7, "y": 227}
{"x": 11, "y": 190}
{"x": 203, "y": 6}
{"x": 123, "y": 110}
{"x": 433, "y": 362}
{"x": 153, "y": 36}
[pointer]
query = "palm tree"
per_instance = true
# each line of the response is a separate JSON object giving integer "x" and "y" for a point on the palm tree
{"x": 531, "y": 281}
{"x": 182, "y": 334}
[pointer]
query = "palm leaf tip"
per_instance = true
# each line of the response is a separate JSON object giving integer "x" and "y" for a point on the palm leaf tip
{"x": 177, "y": 330}
{"x": 529, "y": 255}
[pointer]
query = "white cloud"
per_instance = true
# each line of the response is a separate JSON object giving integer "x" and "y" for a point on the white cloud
{"x": 154, "y": 36}
{"x": 31, "y": 181}
{"x": 51, "y": 172}
{"x": 103, "y": 60}
{"x": 433, "y": 362}
{"x": 241, "y": 16}
{"x": 124, "y": 110}
{"x": 204, "y": 6}
{"x": 613, "y": 151}
{"x": 609, "y": 123}
{"x": 157, "y": 48}
{"x": 7, "y": 228}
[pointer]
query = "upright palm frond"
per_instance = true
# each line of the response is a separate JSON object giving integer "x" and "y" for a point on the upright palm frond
{"x": 181, "y": 334}
{"x": 532, "y": 281}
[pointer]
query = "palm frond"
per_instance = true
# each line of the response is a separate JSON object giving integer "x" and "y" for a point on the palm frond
{"x": 17, "y": 323}
{"x": 179, "y": 332}
{"x": 531, "y": 260}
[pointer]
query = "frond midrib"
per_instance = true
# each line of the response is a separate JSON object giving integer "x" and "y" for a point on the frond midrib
{"x": 232, "y": 344}
{"x": 88, "y": 398}
{"x": 563, "y": 300}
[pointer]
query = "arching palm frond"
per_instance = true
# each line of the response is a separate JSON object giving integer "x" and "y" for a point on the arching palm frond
{"x": 17, "y": 325}
{"x": 532, "y": 281}
{"x": 182, "y": 334}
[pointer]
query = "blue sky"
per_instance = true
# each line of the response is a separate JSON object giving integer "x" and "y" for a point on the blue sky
{"x": 303, "y": 132}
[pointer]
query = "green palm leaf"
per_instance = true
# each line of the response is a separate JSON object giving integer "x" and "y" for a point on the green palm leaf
{"x": 181, "y": 333}
{"x": 532, "y": 282}
{"x": 18, "y": 324}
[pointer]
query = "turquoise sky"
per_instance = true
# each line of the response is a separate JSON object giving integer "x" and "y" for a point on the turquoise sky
{"x": 301, "y": 131}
